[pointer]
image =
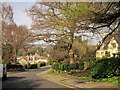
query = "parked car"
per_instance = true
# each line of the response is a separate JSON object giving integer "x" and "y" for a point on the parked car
{"x": 3, "y": 71}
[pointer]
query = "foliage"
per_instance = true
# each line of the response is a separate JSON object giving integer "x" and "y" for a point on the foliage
{"x": 50, "y": 62}
{"x": 38, "y": 65}
{"x": 89, "y": 56}
{"x": 106, "y": 68}
{"x": 59, "y": 51}
{"x": 15, "y": 67}
{"x": 79, "y": 46}
{"x": 14, "y": 35}
{"x": 64, "y": 19}
{"x": 80, "y": 65}
{"x": 20, "y": 54}
{"x": 67, "y": 67}
{"x": 33, "y": 66}
{"x": 113, "y": 80}
{"x": 7, "y": 51}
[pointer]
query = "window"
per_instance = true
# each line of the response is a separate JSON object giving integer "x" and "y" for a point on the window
{"x": 102, "y": 53}
{"x": 107, "y": 54}
{"x": 113, "y": 45}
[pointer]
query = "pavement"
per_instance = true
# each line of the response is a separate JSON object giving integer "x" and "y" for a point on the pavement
{"x": 73, "y": 82}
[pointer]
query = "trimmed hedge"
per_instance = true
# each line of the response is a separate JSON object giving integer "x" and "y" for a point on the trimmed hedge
{"x": 15, "y": 67}
{"x": 106, "y": 68}
{"x": 68, "y": 67}
{"x": 37, "y": 65}
{"x": 32, "y": 66}
{"x": 50, "y": 62}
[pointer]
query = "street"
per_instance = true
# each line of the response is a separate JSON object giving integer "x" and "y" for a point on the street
{"x": 28, "y": 80}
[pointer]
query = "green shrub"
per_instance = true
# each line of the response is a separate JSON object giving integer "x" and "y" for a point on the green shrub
{"x": 80, "y": 65}
{"x": 33, "y": 66}
{"x": 55, "y": 66}
{"x": 106, "y": 68}
{"x": 50, "y": 62}
{"x": 38, "y": 65}
{"x": 74, "y": 66}
{"x": 62, "y": 67}
{"x": 67, "y": 67}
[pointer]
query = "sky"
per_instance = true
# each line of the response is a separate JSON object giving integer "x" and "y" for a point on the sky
{"x": 20, "y": 16}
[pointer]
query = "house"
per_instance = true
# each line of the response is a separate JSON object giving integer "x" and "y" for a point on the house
{"x": 110, "y": 48}
{"x": 36, "y": 58}
{"x": 22, "y": 60}
{"x": 42, "y": 59}
{"x": 32, "y": 59}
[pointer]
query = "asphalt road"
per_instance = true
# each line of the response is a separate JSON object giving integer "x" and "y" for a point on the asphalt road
{"x": 28, "y": 80}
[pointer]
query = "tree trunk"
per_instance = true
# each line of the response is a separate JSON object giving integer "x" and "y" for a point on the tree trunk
{"x": 71, "y": 52}
{"x": 14, "y": 56}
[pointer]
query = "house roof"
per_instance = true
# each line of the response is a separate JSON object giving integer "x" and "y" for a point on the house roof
{"x": 24, "y": 57}
{"x": 108, "y": 39}
{"x": 42, "y": 57}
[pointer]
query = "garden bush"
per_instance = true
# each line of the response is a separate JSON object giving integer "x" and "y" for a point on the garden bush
{"x": 50, "y": 62}
{"x": 74, "y": 66}
{"x": 55, "y": 66}
{"x": 106, "y": 68}
{"x": 61, "y": 66}
{"x": 33, "y": 66}
{"x": 40, "y": 64}
{"x": 80, "y": 65}
{"x": 67, "y": 67}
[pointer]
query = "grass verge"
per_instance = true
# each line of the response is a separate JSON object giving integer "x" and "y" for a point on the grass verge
{"x": 114, "y": 80}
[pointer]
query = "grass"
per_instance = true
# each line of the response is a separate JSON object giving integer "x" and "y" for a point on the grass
{"x": 84, "y": 75}
{"x": 51, "y": 72}
{"x": 114, "y": 80}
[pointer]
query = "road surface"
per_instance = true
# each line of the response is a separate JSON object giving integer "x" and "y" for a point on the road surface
{"x": 28, "y": 80}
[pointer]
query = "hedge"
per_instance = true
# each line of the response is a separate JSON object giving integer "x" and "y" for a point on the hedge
{"x": 106, "y": 68}
{"x": 32, "y": 66}
{"x": 15, "y": 67}
{"x": 50, "y": 62}
{"x": 67, "y": 67}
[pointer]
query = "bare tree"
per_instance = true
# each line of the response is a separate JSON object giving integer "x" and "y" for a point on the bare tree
{"x": 14, "y": 35}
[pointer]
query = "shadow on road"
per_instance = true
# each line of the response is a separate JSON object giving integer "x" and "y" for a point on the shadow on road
{"x": 20, "y": 82}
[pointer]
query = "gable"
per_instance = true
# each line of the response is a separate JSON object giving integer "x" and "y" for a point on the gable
{"x": 112, "y": 39}
{"x": 113, "y": 44}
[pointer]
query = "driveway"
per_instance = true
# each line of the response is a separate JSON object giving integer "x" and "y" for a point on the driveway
{"x": 28, "y": 80}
